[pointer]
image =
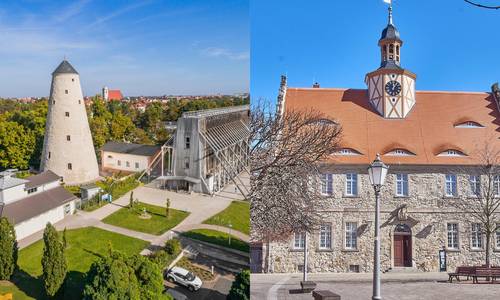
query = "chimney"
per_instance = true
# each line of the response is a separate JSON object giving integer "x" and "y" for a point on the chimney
{"x": 316, "y": 85}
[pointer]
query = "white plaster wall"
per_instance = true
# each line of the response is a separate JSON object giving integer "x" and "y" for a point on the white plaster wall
{"x": 112, "y": 162}
{"x": 12, "y": 194}
{"x": 39, "y": 222}
{"x": 80, "y": 150}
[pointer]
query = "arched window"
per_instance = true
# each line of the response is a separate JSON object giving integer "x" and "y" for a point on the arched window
{"x": 397, "y": 50}
{"x": 391, "y": 49}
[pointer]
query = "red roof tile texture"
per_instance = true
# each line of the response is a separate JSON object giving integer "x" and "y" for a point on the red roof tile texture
{"x": 428, "y": 130}
{"x": 115, "y": 95}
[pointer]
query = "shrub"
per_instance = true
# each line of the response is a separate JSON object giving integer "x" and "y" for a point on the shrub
{"x": 240, "y": 289}
{"x": 173, "y": 246}
{"x": 53, "y": 261}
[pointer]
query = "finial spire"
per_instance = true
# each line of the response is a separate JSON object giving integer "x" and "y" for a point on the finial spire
{"x": 390, "y": 10}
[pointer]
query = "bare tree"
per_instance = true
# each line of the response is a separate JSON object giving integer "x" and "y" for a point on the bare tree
{"x": 284, "y": 162}
{"x": 483, "y": 5}
{"x": 483, "y": 204}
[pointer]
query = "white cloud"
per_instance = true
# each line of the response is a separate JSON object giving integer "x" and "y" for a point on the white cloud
{"x": 117, "y": 13}
{"x": 71, "y": 10}
{"x": 225, "y": 53}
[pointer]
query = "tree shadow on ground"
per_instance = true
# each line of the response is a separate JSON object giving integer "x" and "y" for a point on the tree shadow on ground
{"x": 31, "y": 286}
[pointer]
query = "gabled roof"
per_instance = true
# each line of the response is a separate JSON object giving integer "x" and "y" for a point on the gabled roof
{"x": 428, "y": 126}
{"x": 65, "y": 68}
{"x": 27, "y": 208}
{"x": 129, "y": 148}
{"x": 41, "y": 179}
{"x": 115, "y": 95}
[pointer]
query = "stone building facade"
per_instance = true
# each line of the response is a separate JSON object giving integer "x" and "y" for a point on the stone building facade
{"x": 426, "y": 212}
{"x": 432, "y": 142}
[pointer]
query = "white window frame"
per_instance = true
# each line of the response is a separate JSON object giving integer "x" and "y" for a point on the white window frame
{"x": 351, "y": 235}
{"x": 476, "y": 235}
{"x": 327, "y": 184}
{"x": 351, "y": 181}
{"x": 474, "y": 185}
{"x": 451, "y": 181}
{"x": 299, "y": 241}
{"x": 67, "y": 209}
{"x": 325, "y": 237}
{"x": 452, "y": 236}
{"x": 402, "y": 182}
{"x": 496, "y": 185}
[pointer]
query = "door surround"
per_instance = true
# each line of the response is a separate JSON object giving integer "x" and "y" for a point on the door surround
{"x": 402, "y": 236}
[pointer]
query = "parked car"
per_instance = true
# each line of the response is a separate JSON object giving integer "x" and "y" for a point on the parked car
{"x": 184, "y": 277}
{"x": 176, "y": 294}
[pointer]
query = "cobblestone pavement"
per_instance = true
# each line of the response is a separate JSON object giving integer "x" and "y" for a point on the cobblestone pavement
{"x": 408, "y": 287}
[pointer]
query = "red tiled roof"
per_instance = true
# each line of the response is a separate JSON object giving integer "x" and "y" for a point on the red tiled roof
{"x": 115, "y": 95}
{"x": 426, "y": 131}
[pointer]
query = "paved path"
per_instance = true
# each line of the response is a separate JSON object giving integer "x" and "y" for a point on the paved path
{"x": 354, "y": 286}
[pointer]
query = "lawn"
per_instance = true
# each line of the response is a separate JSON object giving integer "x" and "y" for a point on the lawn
{"x": 217, "y": 238}
{"x": 157, "y": 224}
{"x": 236, "y": 214}
{"x": 84, "y": 247}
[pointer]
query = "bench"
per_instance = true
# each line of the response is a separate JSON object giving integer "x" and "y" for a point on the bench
{"x": 462, "y": 271}
{"x": 486, "y": 273}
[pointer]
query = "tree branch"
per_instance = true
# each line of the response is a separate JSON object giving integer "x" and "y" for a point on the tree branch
{"x": 482, "y": 6}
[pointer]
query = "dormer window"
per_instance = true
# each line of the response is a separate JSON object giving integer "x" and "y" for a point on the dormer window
{"x": 400, "y": 152}
{"x": 347, "y": 151}
{"x": 469, "y": 124}
{"x": 451, "y": 152}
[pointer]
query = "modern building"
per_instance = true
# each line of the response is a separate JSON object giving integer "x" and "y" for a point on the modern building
{"x": 208, "y": 150}
{"x": 109, "y": 95}
{"x": 32, "y": 202}
{"x": 68, "y": 149}
{"x": 432, "y": 142}
{"x": 127, "y": 157}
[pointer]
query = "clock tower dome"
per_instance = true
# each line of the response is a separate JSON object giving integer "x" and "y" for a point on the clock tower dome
{"x": 391, "y": 88}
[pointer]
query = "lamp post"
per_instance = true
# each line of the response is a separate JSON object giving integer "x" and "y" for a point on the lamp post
{"x": 230, "y": 231}
{"x": 376, "y": 173}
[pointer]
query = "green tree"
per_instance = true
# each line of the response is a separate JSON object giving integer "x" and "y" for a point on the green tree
{"x": 64, "y": 240}
{"x": 167, "y": 206}
{"x": 149, "y": 277}
{"x": 8, "y": 249}
{"x": 121, "y": 127}
{"x": 131, "y": 201}
{"x": 111, "y": 278}
{"x": 240, "y": 289}
{"x": 173, "y": 246}
{"x": 16, "y": 145}
{"x": 53, "y": 261}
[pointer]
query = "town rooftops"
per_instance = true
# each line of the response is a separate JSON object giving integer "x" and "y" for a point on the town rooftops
{"x": 7, "y": 180}
{"x": 129, "y": 148}
{"x": 37, "y": 204}
{"x": 64, "y": 68}
{"x": 463, "y": 122}
{"x": 215, "y": 111}
{"x": 41, "y": 179}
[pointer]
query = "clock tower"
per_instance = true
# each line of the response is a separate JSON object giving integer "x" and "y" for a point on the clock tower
{"x": 391, "y": 88}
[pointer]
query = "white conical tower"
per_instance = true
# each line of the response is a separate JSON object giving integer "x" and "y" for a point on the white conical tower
{"x": 68, "y": 149}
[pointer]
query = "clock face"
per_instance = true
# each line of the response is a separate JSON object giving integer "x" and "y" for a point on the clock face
{"x": 393, "y": 88}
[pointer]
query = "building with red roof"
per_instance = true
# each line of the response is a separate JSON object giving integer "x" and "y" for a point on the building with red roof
{"x": 110, "y": 95}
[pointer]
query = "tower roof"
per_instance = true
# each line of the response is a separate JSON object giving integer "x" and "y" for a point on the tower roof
{"x": 64, "y": 68}
{"x": 390, "y": 32}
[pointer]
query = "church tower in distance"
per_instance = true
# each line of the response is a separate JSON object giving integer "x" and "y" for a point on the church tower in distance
{"x": 391, "y": 89}
{"x": 68, "y": 149}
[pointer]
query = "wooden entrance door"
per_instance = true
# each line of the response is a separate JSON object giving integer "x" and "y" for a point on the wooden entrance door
{"x": 402, "y": 250}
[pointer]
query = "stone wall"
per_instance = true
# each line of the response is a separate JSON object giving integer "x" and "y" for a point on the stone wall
{"x": 427, "y": 212}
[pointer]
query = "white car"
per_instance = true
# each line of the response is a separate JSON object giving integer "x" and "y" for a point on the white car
{"x": 184, "y": 277}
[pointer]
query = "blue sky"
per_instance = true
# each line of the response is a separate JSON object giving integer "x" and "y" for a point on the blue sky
{"x": 449, "y": 44}
{"x": 143, "y": 47}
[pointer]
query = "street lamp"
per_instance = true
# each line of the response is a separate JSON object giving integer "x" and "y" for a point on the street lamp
{"x": 230, "y": 227}
{"x": 376, "y": 173}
